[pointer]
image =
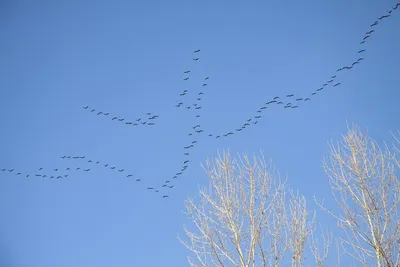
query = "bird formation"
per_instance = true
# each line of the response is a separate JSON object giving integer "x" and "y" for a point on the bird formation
{"x": 56, "y": 173}
{"x": 147, "y": 120}
{"x": 194, "y": 105}
{"x": 117, "y": 170}
{"x": 287, "y": 101}
{"x": 290, "y": 101}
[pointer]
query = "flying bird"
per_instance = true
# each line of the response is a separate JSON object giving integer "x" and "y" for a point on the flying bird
{"x": 196, "y": 59}
{"x": 336, "y": 84}
{"x": 383, "y": 17}
{"x": 186, "y": 72}
{"x": 298, "y": 99}
{"x": 290, "y": 95}
{"x": 86, "y": 107}
{"x": 165, "y": 196}
{"x": 307, "y": 99}
{"x": 206, "y": 78}
{"x": 196, "y": 51}
{"x": 366, "y": 37}
{"x": 86, "y": 170}
{"x": 185, "y": 79}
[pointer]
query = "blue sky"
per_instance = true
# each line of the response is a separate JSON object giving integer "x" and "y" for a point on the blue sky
{"x": 127, "y": 58}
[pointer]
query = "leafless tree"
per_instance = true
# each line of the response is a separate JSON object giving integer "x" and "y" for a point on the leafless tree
{"x": 244, "y": 219}
{"x": 367, "y": 191}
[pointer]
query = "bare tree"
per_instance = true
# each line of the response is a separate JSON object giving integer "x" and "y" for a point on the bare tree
{"x": 367, "y": 191}
{"x": 243, "y": 218}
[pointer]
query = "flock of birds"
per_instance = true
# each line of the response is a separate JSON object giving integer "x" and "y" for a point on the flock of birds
{"x": 149, "y": 120}
{"x": 288, "y": 101}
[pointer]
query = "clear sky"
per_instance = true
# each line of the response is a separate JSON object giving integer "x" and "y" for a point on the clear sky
{"x": 127, "y": 58}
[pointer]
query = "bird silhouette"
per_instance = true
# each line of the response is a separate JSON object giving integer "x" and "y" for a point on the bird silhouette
{"x": 86, "y": 107}
{"x": 137, "y": 180}
{"x": 336, "y": 84}
{"x": 196, "y": 59}
{"x": 165, "y": 196}
{"x": 383, "y": 17}
{"x": 196, "y": 51}
{"x": 362, "y": 50}
{"x": 290, "y": 95}
{"x": 185, "y": 79}
{"x": 186, "y": 72}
